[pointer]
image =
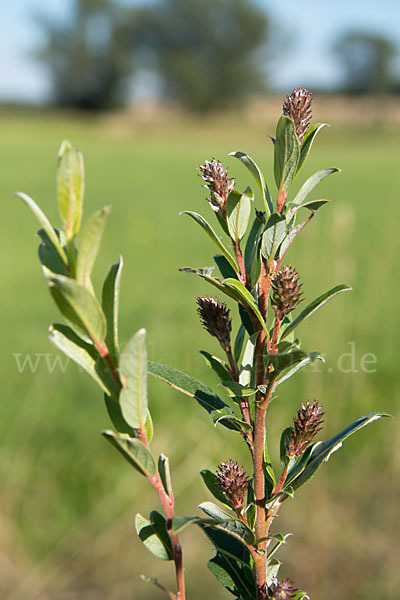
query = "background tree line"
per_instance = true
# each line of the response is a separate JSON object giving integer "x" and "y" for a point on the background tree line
{"x": 206, "y": 55}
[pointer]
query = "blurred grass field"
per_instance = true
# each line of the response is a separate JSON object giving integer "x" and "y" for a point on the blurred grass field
{"x": 67, "y": 500}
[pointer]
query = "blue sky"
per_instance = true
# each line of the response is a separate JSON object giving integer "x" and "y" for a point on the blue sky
{"x": 305, "y": 30}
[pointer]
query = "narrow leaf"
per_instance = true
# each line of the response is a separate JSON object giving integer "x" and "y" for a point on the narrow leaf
{"x": 223, "y": 266}
{"x": 286, "y": 153}
{"x": 242, "y": 295}
{"x": 275, "y": 233}
{"x": 90, "y": 239}
{"x": 180, "y": 523}
{"x": 226, "y": 417}
{"x": 217, "y": 365}
{"x": 234, "y": 527}
{"x": 308, "y": 140}
{"x": 148, "y": 427}
{"x": 310, "y": 184}
{"x": 165, "y": 475}
{"x": 211, "y": 233}
{"x": 159, "y": 524}
{"x": 110, "y": 304}
{"x": 238, "y": 209}
{"x": 247, "y": 376}
{"x": 74, "y": 347}
{"x": 79, "y": 307}
{"x": 232, "y": 576}
{"x": 45, "y": 223}
{"x": 70, "y": 187}
{"x": 187, "y": 385}
{"x": 252, "y": 249}
{"x": 321, "y": 451}
{"x": 115, "y": 414}
{"x": 306, "y": 361}
{"x": 239, "y": 340}
{"x": 229, "y": 546}
{"x": 150, "y": 539}
{"x": 134, "y": 451}
{"x": 48, "y": 253}
{"x": 314, "y": 306}
{"x": 133, "y": 373}
{"x": 258, "y": 176}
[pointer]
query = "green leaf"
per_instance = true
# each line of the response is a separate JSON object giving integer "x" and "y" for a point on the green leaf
{"x": 234, "y": 527}
{"x": 237, "y": 390}
{"x": 307, "y": 360}
{"x": 229, "y": 547}
{"x": 286, "y": 153}
{"x": 106, "y": 376}
{"x": 110, "y": 304}
{"x": 314, "y": 306}
{"x": 223, "y": 266}
{"x": 180, "y": 523}
{"x": 238, "y": 210}
{"x": 247, "y": 376}
{"x": 275, "y": 233}
{"x": 70, "y": 187}
{"x": 48, "y": 253}
{"x": 226, "y": 417}
{"x": 115, "y": 414}
{"x": 79, "y": 307}
{"x": 134, "y": 451}
{"x": 252, "y": 261}
{"x": 90, "y": 239}
{"x": 211, "y": 481}
{"x": 74, "y": 347}
{"x": 320, "y": 452}
{"x": 308, "y": 140}
{"x": 205, "y": 272}
{"x": 284, "y": 360}
{"x": 300, "y": 595}
{"x": 246, "y": 320}
{"x": 150, "y": 538}
{"x": 217, "y": 365}
{"x": 258, "y": 176}
{"x": 148, "y": 427}
{"x": 232, "y": 576}
{"x": 187, "y": 385}
{"x": 251, "y": 510}
{"x": 241, "y": 294}
{"x": 269, "y": 473}
{"x": 45, "y": 223}
{"x": 159, "y": 524}
{"x": 291, "y": 236}
{"x": 133, "y": 373}
{"x": 309, "y": 185}
{"x": 165, "y": 475}
{"x": 239, "y": 340}
{"x": 272, "y": 570}
{"x": 211, "y": 233}
{"x": 313, "y": 205}
{"x": 285, "y": 439}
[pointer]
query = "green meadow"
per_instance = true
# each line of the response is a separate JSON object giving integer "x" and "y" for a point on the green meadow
{"x": 67, "y": 500}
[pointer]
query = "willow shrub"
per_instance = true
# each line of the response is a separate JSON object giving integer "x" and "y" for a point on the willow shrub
{"x": 256, "y": 229}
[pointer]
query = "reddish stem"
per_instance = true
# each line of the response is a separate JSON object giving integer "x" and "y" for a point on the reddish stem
{"x": 105, "y": 355}
{"x": 168, "y": 505}
{"x": 282, "y": 195}
{"x": 166, "y": 501}
{"x": 240, "y": 260}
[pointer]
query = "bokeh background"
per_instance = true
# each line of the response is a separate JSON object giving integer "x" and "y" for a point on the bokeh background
{"x": 148, "y": 90}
